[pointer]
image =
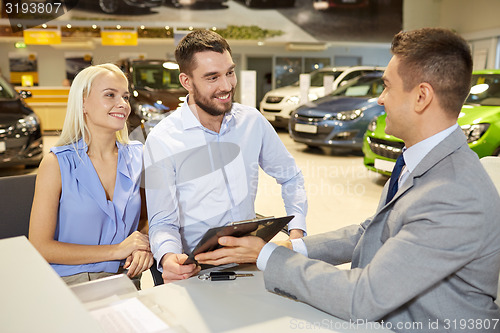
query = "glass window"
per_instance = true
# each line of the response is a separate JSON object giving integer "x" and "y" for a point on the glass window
{"x": 312, "y": 64}
{"x": 156, "y": 76}
{"x": 6, "y": 90}
{"x": 485, "y": 90}
{"x": 287, "y": 70}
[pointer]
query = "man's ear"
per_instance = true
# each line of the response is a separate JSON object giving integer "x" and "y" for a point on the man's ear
{"x": 185, "y": 81}
{"x": 425, "y": 95}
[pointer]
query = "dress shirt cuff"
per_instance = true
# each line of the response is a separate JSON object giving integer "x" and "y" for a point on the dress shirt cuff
{"x": 298, "y": 222}
{"x": 299, "y": 246}
{"x": 264, "y": 255}
{"x": 164, "y": 249}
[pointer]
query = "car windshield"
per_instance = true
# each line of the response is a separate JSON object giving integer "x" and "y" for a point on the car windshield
{"x": 485, "y": 90}
{"x": 363, "y": 86}
{"x": 318, "y": 77}
{"x": 156, "y": 76}
{"x": 6, "y": 90}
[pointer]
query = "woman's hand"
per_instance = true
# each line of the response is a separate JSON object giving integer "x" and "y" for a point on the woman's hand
{"x": 138, "y": 262}
{"x": 136, "y": 241}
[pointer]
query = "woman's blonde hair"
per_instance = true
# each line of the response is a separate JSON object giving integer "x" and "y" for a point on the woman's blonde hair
{"x": 74, "y": 127}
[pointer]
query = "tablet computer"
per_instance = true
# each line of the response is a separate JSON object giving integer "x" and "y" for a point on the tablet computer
{"x": 265, "y": 228}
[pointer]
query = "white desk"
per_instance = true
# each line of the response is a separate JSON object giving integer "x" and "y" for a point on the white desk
{"x": 241, "y": 305}
{"x": 34, "y": 298}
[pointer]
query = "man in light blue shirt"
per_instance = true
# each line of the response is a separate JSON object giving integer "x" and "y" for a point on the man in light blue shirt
{"x": 202, "y": 161}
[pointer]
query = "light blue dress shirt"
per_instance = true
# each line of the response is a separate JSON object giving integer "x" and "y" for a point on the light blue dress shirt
{"x": 85, "y": 215}
{"x": 197, "y": 179}
{"x": 412, "y": 156}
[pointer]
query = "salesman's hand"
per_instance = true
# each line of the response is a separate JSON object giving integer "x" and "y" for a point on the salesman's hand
{"x": 235, "y": 250}
{"x": 173, "y": 269}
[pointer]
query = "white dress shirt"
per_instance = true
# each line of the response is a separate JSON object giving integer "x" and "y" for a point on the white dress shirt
{"x": 197, "y": 179}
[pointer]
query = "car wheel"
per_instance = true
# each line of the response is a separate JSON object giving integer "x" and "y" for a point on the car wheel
{"x": 109, "y": 6}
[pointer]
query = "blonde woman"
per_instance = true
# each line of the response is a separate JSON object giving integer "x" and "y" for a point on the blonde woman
{"x": 87, "y": 205}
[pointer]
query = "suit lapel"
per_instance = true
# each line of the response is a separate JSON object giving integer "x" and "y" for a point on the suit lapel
{"x": 363, "y": 254}
{"x": 446, "y": 147}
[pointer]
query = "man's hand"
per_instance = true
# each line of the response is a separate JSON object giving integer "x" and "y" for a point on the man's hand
{"x": 287, "y": 243}
{"x": 296, "y": 233}
{"x": 235, "y": 250}
{"x": 173, "y": 269}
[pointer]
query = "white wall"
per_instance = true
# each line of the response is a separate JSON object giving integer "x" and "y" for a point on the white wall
{"x": 477, "y": 21}
{"x": 463, "y": 16}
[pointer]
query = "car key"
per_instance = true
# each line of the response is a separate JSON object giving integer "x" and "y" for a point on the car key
{"x": 221, "y": 276}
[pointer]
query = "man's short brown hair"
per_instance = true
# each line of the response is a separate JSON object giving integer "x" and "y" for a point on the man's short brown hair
{"x": 439, "y": 57}
{"x": 198, "y": 41}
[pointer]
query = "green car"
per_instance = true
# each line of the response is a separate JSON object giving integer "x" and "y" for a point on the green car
{"x": 479, "y": 119}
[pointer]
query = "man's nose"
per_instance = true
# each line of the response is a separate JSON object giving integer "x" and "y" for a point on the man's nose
{"x": 226, "y": 84}
{"x": 380, "y": 99}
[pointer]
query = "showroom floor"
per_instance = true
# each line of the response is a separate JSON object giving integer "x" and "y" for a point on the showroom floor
{"x": 340, "y": 190}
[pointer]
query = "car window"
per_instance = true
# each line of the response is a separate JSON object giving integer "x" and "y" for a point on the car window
{"x": 485, "y": 90}
{"x": 363, "y": 86}
{"x": 6, "y": 90}
{"x": 318, "y": 77}
{"x": 155, "y": 76}
{"x": 354, "y": 74}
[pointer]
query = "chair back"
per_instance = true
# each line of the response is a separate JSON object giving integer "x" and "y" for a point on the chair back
{"x": 492, "y": 166}
{"x": 16, "y": 197}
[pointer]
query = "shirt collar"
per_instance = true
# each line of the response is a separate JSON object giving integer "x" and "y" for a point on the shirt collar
{"x": 417, "y": 152}
{"x": 189, "y": 120}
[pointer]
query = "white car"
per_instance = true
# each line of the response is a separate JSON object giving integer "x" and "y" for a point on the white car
{"x": 278, "y": 104}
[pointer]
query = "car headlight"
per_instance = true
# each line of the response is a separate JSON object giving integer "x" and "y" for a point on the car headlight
{"x": 293, "y": 100}
{"x": 28, "y": 123}
{"x": 372, "y": 126}
{"x": 150, "y": 112}
{"x": 348, "y": 115}
{"x": 474, "y": 132}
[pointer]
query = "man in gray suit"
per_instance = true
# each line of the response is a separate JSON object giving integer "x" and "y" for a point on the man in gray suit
{"x": 429, "y": 259}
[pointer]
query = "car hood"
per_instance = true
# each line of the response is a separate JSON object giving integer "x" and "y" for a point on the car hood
{"x": 169, "y": 98}
{"x": 334, "y": 104}
{"x": 478, "y": 114}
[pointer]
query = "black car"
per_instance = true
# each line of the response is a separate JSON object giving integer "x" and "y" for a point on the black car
{"x": 117, "y": 6}
{"x": 269, "y": 3}
{"x": 155, "y": 88}
{"x": 20, "y": 130}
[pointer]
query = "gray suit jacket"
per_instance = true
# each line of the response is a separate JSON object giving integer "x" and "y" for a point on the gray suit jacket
{"x": 431, "y": 255}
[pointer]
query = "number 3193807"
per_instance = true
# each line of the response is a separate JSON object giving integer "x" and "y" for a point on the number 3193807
{"x": 32, "y": 8}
